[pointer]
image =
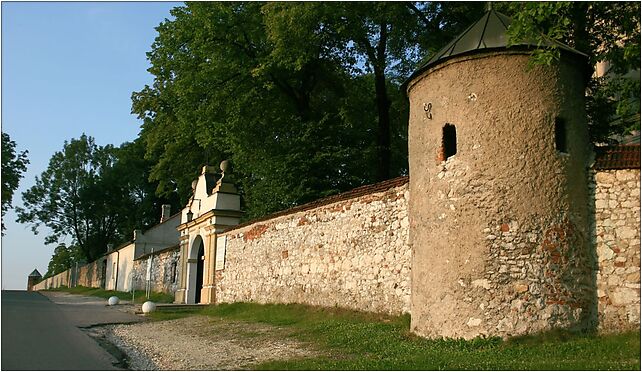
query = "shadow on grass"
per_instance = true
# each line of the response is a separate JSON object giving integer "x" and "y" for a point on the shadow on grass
{"x": 553, "y": 335}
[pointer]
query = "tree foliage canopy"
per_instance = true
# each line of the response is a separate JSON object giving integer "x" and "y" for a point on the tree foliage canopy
{"x": 68, "y": 199}
{"x": 608, "y": 32}
{"x": 303, "y": 97}
{"x": 220, "y": 93}
{"x": 63, "y": 258}
{"x": 14, "y": 164}
{"x": 96, "y": 194}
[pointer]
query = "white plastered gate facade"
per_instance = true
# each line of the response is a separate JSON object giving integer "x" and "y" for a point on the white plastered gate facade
{"x": 213, "y": 207}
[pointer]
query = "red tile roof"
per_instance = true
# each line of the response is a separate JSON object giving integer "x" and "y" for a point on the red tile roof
{"x": 617, "y": 157}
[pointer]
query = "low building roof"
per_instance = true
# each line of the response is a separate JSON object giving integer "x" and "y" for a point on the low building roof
{"x": 617, "y": 157}
{"x": 156, "y": 253}
{"x": 35, "y": 273}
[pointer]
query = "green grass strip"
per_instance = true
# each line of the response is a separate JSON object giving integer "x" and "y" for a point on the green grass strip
{"x": 139, "y": 296}
{"x": 351, "y": 340}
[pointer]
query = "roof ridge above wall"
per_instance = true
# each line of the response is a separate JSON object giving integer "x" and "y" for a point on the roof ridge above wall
{"x": 354, "y": 193}
{"x": 617, "y": 157}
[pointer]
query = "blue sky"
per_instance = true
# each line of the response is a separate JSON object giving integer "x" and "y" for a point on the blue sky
{"x": 67, "y": 68}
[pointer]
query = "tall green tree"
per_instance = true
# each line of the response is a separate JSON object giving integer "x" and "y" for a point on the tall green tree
{"x": 95, "y": 194}
{"x": 380, "y": 40}
{"x": 295, "y": 132}
{"x": 14, "y": 164}
{"x": 64, "y": 257}
{"x": 605, "y": 31}
{"x": 68, "y": 198}
{"x": 302, "y": 97}
{"x": 140, "y": 208}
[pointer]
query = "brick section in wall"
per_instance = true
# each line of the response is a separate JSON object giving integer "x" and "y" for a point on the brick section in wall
{"x": 350, "y": 250}
{"x": 617, "y": 240}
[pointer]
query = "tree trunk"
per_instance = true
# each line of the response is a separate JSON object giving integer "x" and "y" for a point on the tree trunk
{"x": 580, "y": 34}
{"x": 383, "y": 107}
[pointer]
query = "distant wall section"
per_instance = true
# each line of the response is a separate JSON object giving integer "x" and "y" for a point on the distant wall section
{"x": 165, "y": 270}
{"x": 87, "y": 275}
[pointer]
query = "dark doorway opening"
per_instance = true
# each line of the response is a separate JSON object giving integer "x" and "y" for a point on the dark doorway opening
{"x": 199, "y": 272}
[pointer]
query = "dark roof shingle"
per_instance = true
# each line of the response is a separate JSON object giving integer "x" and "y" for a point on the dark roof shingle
{"x": 617, "y": 157}
{"x": 487, "y": 34}
{"x": 35, "y": 273}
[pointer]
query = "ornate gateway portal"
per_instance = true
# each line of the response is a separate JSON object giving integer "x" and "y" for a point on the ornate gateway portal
{"x": 214, "y": 206}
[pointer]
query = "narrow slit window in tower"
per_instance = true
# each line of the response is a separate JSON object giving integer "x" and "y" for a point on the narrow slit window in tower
{"x": 449, "y": 141}
{"x": 560, "y": 135}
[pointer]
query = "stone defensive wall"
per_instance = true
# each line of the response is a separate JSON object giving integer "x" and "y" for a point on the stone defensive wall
{"x": 87, "y": 275}
{"x": 164, "y": 270}
{"x": 350, "y": 250}
{"x": 615, "y": 184}
{"x": 353, "y": 251}
{"x": 56, "y": 281}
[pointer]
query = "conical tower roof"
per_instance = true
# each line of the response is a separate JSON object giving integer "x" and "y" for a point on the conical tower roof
{"x": 487, "y": 34}
{"x": 35, "y": 273}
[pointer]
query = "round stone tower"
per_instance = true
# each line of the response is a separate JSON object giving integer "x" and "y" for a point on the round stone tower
{"x": 499, "y": 218}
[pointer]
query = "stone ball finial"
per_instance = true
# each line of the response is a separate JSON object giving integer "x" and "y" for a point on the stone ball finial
{"x": 194, "y": 184}
{"x": 148, "y": 307}
{"x": 226, "y": 166}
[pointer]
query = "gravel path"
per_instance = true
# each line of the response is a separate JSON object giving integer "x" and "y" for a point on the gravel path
{"x": 202, "y": 343}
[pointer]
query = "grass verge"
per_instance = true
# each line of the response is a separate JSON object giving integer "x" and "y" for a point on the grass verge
{"x": 365, "y": 341}
{"x": 139, "y": 296}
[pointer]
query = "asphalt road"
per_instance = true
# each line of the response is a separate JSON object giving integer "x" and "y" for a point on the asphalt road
{"x": 40, "y": 334}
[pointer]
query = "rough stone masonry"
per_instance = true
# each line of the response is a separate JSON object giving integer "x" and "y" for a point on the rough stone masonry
{"x": 617, "y": 241}
{"x": 353, "y": 253}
